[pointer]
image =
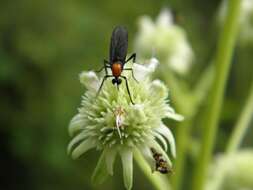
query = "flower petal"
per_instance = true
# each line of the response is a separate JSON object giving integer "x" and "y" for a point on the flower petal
{"x": 76, "y": 124}
{"x": 110, "y": 155}
{"x": 165, "y": 131}
{"x": 89, "y": 80}
{"x": 147, "y": 155}
{"x": 160, "y": 137}
{"x": 83, "y": 147}
{"x": 165, "y": 18}
{"x": 173, "y": 115}
{"x": 153, "y": 63}
{"x": 138, "y": 112}
{"x": 76, "y": 139}
{"x": 141, "y": 72}
{"x": 158, "y": 89}
{"x": 182, "y": 59}
{"x": 127, "y": 162}
{"x": 100, "y": 173}
{"x": 146, "y": 24}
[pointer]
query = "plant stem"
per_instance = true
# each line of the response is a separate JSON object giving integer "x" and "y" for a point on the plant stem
{"x": 242, "y": 124}
{"x": 187, "y": 109}
{"x": 235, "y": 140}
{"x": 182, "y": 138}
{"x": 158, "y": 181}
{"x": 184, "y": 128}
{"x": 224, "y": 53}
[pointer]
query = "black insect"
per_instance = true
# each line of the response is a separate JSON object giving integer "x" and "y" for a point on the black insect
{"x": 160, "y": 164}
{"x": 117, "y": 61}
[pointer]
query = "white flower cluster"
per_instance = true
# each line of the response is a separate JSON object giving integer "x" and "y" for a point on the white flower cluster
{"x": 165, "y": 40}
{"x": 232, "y": 172}
{"x": 110, "y": 123}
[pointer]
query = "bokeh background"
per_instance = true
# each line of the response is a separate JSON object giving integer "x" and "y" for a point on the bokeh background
{"x": 45, "y": 44}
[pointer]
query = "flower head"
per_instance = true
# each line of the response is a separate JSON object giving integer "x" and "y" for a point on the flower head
{"x": 166, "y": 40}
{"x": 236, "y": 168}
{"x": 110, "y": 123}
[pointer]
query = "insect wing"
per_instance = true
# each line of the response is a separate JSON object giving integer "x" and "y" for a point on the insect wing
{"x": 119, "y": 43}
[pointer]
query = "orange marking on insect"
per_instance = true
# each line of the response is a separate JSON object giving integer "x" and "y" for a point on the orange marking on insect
{"x": 116, "y": 69}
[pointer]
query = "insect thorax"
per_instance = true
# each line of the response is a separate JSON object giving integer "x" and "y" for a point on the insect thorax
{"x": 116, "y": 68}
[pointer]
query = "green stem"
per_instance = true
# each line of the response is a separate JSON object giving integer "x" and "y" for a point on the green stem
{"x": 184, "y": 129}
{"x": 225, "y": 49}
{"x": 182, "y": 138}
{"x": 187, "y": 109}
{"x": 235, "y": 140}
{"x": 242, "y": 125}
{"x": 158, "y": 181}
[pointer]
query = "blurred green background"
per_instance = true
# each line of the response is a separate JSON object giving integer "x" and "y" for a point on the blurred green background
{"x": 45, "y": 44}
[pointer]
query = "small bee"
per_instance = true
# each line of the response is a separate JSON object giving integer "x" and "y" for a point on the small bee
{"x": 160, "y": 164}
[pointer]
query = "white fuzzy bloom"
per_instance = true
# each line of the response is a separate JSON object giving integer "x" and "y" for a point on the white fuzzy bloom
{"x": 165, "y": 40}
{"x": 232, "y": 172}
{"x": 110, "y": 123}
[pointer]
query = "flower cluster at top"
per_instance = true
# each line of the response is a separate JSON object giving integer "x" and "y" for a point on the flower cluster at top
{"x": 166, "y": 40}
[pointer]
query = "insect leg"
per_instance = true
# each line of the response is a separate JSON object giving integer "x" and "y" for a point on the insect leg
{"x": 130, "y": 69}
{"x": 133, "y": 56}
{"x": 105, "y": 77}
{"x": 128, "y": 91}
{"x": 106, "y": 65}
